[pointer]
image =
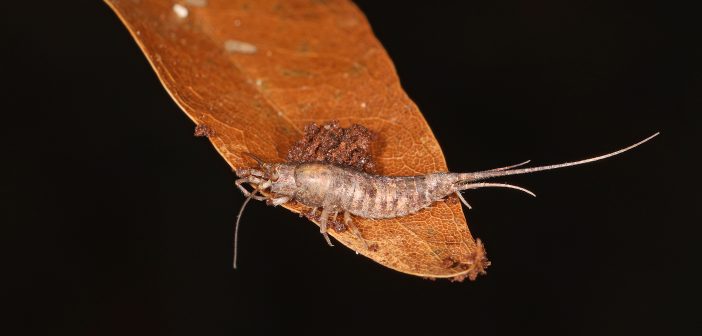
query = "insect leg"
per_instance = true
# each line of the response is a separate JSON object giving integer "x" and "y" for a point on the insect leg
{"x": 248, "y": 172}
{"x": 458, "y": 193}
{"x": 278, "y": 201}
{"x": 323, "y": 225}
{"x": 349, "y": 223}
{"x": 249, "y": 180}
{"x": 264, "y": 185}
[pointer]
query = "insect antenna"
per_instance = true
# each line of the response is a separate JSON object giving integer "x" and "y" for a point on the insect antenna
{"x": 260, "y": 162}
{"x": 236, "y": 226}
{"x": 487, "y": 174}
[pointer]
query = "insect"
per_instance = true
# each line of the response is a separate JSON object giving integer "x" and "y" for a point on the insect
{"x": 336, "y": 189}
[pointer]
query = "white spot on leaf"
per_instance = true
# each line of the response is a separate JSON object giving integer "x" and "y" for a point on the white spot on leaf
{"x": 235, "y": 46}
{"x": 180, "y": 10}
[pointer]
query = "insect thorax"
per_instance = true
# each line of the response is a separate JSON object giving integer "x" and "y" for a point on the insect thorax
{"x": 315, "y": 183}
{"x": 283, "y": 178}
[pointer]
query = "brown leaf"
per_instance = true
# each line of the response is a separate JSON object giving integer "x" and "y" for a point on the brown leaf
{"x": 252, "y": 74}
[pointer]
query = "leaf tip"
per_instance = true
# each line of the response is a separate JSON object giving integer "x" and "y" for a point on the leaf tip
{"x": 475, "y": 265}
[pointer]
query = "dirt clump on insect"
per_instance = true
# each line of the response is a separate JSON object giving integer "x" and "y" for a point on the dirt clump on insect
{"x": 330, "y": 143}
{"x": 341, "y": 146}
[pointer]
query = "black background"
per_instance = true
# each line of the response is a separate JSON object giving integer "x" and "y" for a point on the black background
{"x": 116, "y": 220}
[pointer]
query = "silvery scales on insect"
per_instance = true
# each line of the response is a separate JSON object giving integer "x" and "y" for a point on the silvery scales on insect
{"x": 337, "y": 189}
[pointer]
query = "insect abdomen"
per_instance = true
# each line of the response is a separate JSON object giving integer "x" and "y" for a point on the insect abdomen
{"x": 388, "y": 197}
{"x": 364, "y": 195}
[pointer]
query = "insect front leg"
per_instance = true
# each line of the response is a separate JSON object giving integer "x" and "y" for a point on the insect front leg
{"x": 323, "y": 218}
{"x": 249, "y": 172}
{"x": 349, "y": 223}
{"x": 250, "y": 180}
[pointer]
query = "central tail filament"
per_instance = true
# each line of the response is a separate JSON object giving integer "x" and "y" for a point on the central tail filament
{"x": 469, "y": 180}
{"x": 492, "y": 173}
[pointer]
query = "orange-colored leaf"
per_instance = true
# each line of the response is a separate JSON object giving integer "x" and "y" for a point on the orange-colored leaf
{"x": 252, "y": 74}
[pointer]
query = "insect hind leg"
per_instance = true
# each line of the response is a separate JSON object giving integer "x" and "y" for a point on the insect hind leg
{"x": 323, "y": 220}
{"x": 458, "y": 193}
{"x": 349, "y": 223}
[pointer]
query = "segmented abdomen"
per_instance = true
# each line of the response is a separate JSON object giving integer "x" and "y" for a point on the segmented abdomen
{"x": 372, "y": 196}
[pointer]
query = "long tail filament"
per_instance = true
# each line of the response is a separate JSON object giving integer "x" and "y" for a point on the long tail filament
{"x": 482, "y": 175}
{"x": 468, "y": 180}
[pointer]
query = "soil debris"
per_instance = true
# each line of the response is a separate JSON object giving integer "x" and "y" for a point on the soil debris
{"x": 330, "y": 143}
{"x": 203, "y": 130}
{"x": 476, "y": 264}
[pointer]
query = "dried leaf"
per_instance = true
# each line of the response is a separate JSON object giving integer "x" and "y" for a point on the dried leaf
{"x": 252, "y": 74}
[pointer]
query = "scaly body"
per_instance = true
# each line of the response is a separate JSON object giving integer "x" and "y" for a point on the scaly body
{"x": 365, "y": 195}
{"x": 335, "y": 189}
